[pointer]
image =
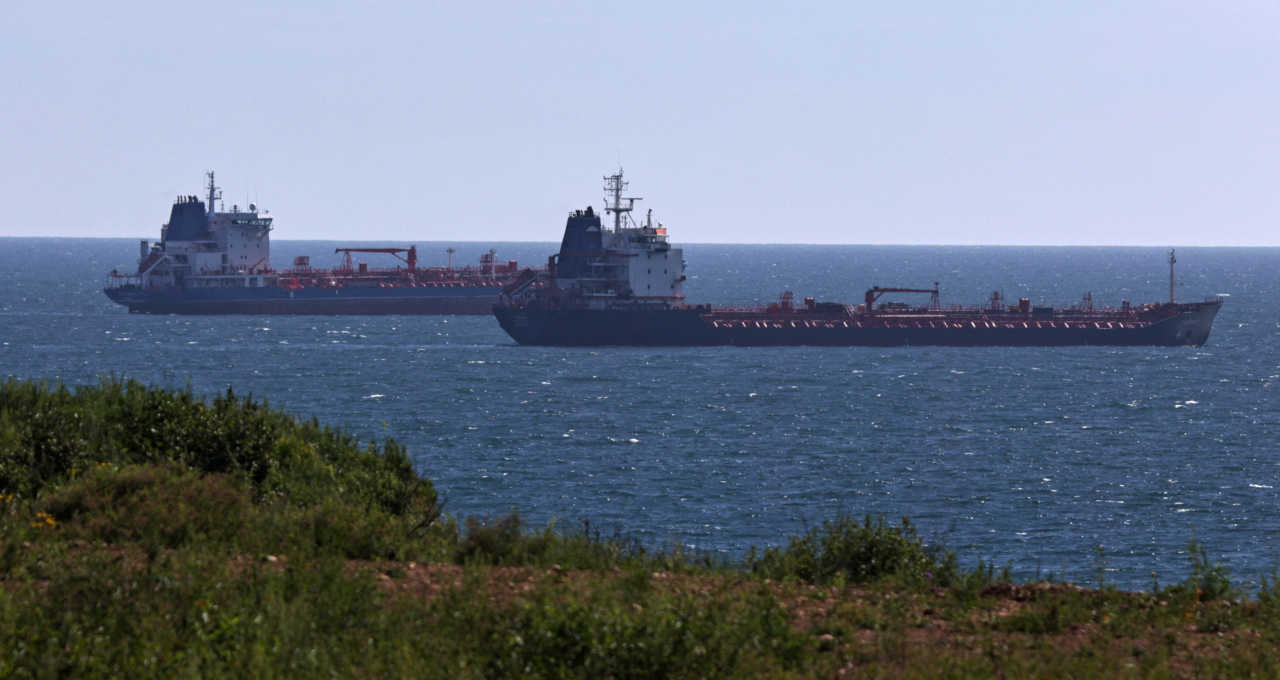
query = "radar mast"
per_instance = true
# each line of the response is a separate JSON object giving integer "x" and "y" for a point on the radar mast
{"x": 614, "y": 184}
{"x": 215, "y": 192}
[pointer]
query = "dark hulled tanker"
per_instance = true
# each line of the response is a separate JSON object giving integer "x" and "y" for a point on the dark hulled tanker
{"x": 623, "y": 286}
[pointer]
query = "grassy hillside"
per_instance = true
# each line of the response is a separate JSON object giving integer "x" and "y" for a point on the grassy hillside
{"x": 146, "y": 532}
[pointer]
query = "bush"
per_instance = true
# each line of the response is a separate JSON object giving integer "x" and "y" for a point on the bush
{"x": 562, "y": 632}
{"x": 95, "y": 615}
{"x": 500, "y": 542}
{"x": 1207, "y": 581}
{"x": 157, "y": 506}
{"x": 507, "y": 542}
{"x": 167, "y": 507}
{"x": 48, "y": 435}
{"x": 845, "y": 551}
{"x": 122, "y": 463}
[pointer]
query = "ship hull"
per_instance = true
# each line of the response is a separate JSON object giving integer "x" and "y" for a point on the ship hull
{"x": 1185, "y": 324}
{"x": 475, "y": 300}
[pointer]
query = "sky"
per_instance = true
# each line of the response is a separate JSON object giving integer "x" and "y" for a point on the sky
{"x": 1044, "y": 123}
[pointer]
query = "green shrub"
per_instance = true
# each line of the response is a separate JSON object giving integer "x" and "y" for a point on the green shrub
{"x": 191, "y": 616}
{"x": 499, "y": 542}
{"x": 1051, "y": 613}
{"x": 158, "y": 506}
{"x": 48, "y": 435}
{"x": 335, "y": 528}
{"x": 202, "y": 616}
{"x": 1207, "y": 581}
{"x": 507, "y": 541}
{"x": 846, "y": 551}
{"x": 167, "y": 507}
{"x": 123, "y": 463}
{"x": 557, "y": 632}
{"x": 1268, "y": 594}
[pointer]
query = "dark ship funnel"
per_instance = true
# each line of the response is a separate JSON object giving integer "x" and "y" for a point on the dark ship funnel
{"x": 187, "y": 221}
{"x": 581, "y": 244}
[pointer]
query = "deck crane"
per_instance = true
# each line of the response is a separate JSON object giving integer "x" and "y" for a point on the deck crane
{"x": 411, "y": 259}
{"x": 875, "y": 292}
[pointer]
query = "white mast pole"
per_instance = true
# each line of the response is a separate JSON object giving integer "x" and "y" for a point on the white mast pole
{"x": 615, "y": 185}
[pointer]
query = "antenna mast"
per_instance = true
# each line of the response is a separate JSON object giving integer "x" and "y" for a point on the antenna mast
{"x": 215, "y": 192}
{"x": 614, "y": 184}
{"x": 1172, "y": 259}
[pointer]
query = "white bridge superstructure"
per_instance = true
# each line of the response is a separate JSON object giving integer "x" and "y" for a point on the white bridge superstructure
{"x": 629, "y": 264}
{"x": 201, "y": 247}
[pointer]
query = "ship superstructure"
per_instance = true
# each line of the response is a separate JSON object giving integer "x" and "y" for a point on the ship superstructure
{"x": 200, "y": 247}
{"x": 598, "y": 267}
{"x": 211, "y": 261}
{"x": 624, "y": 287}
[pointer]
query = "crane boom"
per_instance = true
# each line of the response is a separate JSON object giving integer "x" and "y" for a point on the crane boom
{"x": 411, "y": 259}
{"x": 875, "y": 292}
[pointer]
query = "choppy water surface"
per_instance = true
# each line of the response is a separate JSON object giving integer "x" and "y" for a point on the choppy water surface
{"x": 1032, "y": 457}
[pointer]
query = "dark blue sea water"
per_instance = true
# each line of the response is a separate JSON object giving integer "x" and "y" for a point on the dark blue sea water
{"x": 1034, "y": 458}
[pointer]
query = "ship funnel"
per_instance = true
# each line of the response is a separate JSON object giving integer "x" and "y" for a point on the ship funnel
{"x": 581, "y": 243}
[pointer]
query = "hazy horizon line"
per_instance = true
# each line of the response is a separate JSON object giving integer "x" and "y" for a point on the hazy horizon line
{"x": 715, "y": 243}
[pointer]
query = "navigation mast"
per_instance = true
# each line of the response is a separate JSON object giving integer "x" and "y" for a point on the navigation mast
{"x": 615, "y": 185}
{"x": 1172, "y": 259}
{"x": 215, "y": 192}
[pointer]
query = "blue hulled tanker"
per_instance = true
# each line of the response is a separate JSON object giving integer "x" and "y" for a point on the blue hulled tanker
{"x": 219, "y": 262}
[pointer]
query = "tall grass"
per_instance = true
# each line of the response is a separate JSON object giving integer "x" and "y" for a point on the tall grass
{"x": 194, "y": 616}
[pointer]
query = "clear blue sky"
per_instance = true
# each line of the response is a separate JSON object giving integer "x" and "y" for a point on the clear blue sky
{"x": 1152, "y": 123}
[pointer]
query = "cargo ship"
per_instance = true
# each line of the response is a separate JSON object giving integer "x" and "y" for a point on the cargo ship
{"x": 211, "y": 261}
{"x": 624, "y": 286}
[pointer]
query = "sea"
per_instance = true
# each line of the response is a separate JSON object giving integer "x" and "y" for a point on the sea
{"x": 1084, "y": 464}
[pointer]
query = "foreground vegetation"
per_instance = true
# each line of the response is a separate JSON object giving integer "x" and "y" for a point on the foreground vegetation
{"x": 150, "y": 533}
